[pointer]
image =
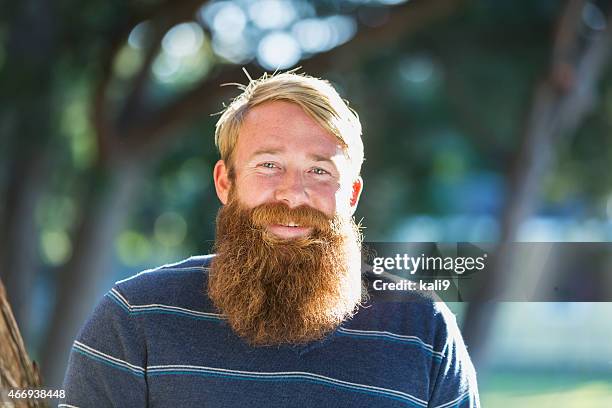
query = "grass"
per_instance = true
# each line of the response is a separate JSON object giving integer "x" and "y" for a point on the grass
{"x": 545, "y": 390}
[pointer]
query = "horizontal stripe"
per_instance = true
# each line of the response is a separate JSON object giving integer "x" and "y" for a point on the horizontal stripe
{"x": 104, "y": 355}
{"x": 106, "y": 362}
{"x": 106, "y": 358}
{"x": 455, "y": 402}
{"x": 385, "y": 335}
{"x": 120, "y": 297}
{"x": 169, "y": 309}
{"x": 160, "y": 308}
{"x": 283, "y": 377}
{"x": 66, "y": 406}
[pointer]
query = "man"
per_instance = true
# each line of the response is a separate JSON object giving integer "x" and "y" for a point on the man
{"x": 279, "y": 317}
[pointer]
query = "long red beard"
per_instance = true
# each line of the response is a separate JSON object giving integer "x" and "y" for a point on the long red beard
{"x": 275, "y": 291}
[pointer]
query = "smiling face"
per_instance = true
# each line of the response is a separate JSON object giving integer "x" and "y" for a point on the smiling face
{"x": 286, "y": 228}
{"x": 283, "y": 156}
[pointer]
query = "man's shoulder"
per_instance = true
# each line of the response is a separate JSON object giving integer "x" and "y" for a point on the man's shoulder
{"x": 418, "y": 313}
{"x": 173, "y": 283}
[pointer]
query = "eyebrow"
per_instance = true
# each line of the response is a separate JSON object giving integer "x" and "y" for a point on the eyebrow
{"x": 265, "y": 151}
{"x": 319, "y": 158}
{"x": 314, "y": 157}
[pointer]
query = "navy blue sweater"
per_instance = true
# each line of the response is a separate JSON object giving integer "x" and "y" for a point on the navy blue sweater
{"x": 156, "y": 340}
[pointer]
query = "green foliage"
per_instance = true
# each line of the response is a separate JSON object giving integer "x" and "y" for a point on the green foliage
{"x": 545, "y": 389}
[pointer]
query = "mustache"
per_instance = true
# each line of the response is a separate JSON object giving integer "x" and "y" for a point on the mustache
{"x": 279, "y": 213}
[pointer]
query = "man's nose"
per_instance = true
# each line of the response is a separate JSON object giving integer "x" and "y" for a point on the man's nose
{"x": 291, "y": 190}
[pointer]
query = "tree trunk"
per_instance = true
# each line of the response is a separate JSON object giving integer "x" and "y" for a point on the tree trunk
{"x": 103, "y": 214}
{"x": 19, "y": 258}
{"x": 17, "y": 372}
{"x": 25, "y": 104}
{"x": 560, "y": 103}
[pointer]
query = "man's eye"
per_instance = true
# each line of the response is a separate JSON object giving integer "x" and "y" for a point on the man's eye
{"x": 268, "y": 165}
{"x": 319, "y": 171}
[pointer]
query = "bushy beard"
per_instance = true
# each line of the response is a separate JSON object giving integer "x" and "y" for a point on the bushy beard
{"x": 284, "y": 291}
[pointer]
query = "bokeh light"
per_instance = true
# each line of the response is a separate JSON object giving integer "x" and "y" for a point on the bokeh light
{"x": 170, "y": 229}
{"x": 278, "y": 50}
{"x": 55, "y": 246}
{"x": 272, "y": 14}
{"x": 183, "y": 40}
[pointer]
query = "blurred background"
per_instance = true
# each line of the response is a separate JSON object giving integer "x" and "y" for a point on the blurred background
{"x": 484, "y": 121}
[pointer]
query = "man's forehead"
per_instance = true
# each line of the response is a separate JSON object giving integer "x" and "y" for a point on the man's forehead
{"x": 282, "y": 117}
{"x": 275, "y": 109}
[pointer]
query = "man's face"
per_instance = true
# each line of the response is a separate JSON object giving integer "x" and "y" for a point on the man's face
{"x": 284, "y": 156}
{"x": 288, "y": 259}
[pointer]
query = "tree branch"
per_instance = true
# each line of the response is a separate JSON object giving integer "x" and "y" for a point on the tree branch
{"x": 404, "y": 20}
{"x": 163, "y": 22}
{"x": 164, "y": 17}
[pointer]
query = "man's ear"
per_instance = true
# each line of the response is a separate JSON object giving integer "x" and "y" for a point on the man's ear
{"x": 222, "y": 181}
{"x": 356, "y": 193}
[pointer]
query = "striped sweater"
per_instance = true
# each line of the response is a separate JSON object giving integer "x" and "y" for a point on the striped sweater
{"x": 156, "y": 340}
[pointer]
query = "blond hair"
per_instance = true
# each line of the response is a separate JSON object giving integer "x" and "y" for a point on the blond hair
{"x": 317, "y": 97}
